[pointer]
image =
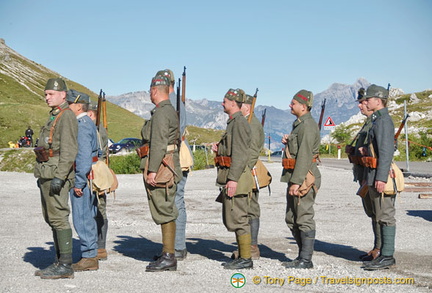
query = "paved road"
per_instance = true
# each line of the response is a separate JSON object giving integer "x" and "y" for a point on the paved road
{"x": 416, "y": 169}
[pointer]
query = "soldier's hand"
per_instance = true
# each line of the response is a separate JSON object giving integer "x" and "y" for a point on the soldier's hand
{"x": 151, "y": 179}
{"x": 78, "y": 191}
{"x": 380, "y": 186}
{"x": 56, "y": 185}
{"x": 285, "y": 138}
{"x": 231, "y": 188}
{"x": 293, "y": 190}
{"x": 214, "y": 147}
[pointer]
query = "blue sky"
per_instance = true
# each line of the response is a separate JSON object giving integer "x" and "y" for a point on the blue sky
{"x": 279, "y": 46}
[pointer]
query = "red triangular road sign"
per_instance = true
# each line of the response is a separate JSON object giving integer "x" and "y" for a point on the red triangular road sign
{"x": 329, "y": 122}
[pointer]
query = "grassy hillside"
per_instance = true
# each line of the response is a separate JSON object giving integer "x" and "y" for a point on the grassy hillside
{"x": 22, "y": 101}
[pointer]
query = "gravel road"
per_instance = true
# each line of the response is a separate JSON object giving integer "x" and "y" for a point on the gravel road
{"x": 343, "y": 233}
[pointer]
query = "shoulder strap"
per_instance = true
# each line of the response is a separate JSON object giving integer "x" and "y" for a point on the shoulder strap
{"x": 53, "y": 128}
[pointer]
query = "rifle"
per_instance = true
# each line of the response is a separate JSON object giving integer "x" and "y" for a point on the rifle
{"x": 253, "y": 105}
{"x": 263, "y": 116}
{"x": 99, "y": 104}
{"x": 400, "y": 129}
{"x": 322, "y": 114}
{"x": 104, "y": 112}
{"x": 183, "y": 95}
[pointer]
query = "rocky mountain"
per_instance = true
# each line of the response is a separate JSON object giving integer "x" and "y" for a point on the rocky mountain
{"x": 340, "y": 105}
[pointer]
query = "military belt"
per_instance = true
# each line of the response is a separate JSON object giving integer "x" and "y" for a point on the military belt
{"x": 289, "y": 163}
{"x": 222, "y": 161}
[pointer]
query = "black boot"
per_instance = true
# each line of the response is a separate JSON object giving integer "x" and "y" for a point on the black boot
{"x": 167, "y": 262}
{"x": 296, "y": 234}
{"x": 304, "y": 261}
{"x": 61, "y": 270}
{"x": 238, "y": 264}
{"x": 386, "y": 259}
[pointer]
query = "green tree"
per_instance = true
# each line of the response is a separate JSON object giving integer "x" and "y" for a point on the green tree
{"x": 342, "y": 134}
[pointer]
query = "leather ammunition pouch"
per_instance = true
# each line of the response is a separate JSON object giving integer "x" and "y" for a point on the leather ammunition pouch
{"x": 289, "y": 163}
{"x": 222, "y": 161}
{"x": 370, "y": 162}
{"x": 41, "y": 154}
{"x": 143, "y": 151}
{"x": 356, "y": 160}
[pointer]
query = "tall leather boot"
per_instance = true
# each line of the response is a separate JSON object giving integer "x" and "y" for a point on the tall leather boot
{"x": 304, "y": 260}
{"x": 386, "y": 259}
{"x": 245, "y": 258}
{"x": 254, "y": 226}
{"x": 296, "y": 234}
{"x": 102, "y": 236}
{"x": 63, "y": 269}
{"x": 167, "y": 261}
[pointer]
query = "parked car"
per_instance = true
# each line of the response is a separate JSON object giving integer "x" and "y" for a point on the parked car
{"x": 125, "y": 145}
{"x": 276, "y": 154}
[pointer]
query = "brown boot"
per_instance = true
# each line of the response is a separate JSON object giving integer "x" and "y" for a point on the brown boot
{"x": 371, "y": 255}
{"x": 255, "y": 252}
{"x": 86, "y": 264}
{"x": 102, "y": 254}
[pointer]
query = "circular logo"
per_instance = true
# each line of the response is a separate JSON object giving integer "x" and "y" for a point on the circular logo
{"x": 238, "y": 280}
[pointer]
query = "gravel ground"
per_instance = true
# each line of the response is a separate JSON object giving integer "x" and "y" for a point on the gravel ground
{"x": 343, "y": 233}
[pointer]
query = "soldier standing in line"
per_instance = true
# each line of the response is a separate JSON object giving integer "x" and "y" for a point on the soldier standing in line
{"x": 161, "y": 134}
{"x": 83, "y": 200}
{"x": 180, "y": 238}
{"x": 303, "y": 145}
{"x": 101, "y": 216}
{"x": 361, "y": 140}
{"x": 235, "y": 177}
{"x": 56, "y": 154}
{"x": 381, "y": 142}
{"x": 256, "y": 145}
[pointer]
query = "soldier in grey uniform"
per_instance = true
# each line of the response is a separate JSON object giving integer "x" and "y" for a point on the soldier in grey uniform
{"x": 303, "y": 144}
{"x": 354, "y": 154}
{"x": 235, "y": 178}
{"x": 58, "y": 147}
{"x": 180, "y": 239}
{"x": 101, "y": 217}
{"x": 161, "y": 133}
{"x": 381, "y": 139}
{"x": 257, "y": 143}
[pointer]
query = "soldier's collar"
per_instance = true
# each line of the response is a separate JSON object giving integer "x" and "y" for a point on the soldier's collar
{"x": 59, "y": 108}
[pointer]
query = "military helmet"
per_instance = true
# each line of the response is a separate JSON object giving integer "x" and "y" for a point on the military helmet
{"x": 76, "y": 97}
{"x": 56, "y": 84}
{"x": 304, "y": 97}
{"x": 160, "y": 80}
{"x": 376, "y": 91}
{"x": 361, "y": 94}
{"x": 249, "y": 99}
{"x": 168, "y": 73}
{"x": 237, "y": 95}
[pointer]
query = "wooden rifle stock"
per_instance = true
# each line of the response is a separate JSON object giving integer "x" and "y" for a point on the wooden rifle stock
{"x": 263, "y": 117}
{"x": 104, "y": 113}
{"x": 322, "y": 114}
{"x": 253, "y": 105}
{"x": 98, "y": 112}
{"x": 400, "y": 127}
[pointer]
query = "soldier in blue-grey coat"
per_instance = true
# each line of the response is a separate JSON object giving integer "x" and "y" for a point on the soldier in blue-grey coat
{"x": 83, "y": 200}
{"x": 381, "y": 146}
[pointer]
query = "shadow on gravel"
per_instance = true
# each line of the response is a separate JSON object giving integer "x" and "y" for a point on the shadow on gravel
{"x": 220, "y": 251}
{"x": 338, "y": 250}
{"x": 425, "y": 214}
{"x": 139, "y": 248}
{"x": 41, "y": 257}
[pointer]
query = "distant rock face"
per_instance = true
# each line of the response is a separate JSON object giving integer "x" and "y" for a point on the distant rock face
{"x": 413, "y": 98}
{"x": 341, "y": 104}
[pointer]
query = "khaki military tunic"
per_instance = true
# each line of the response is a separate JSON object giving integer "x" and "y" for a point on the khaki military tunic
{"x": 55, "y": 208}
{"x": 257, "y": 143}
{"x": 161, "y": 132}
{"x": 235, "y": 144}
{"x": 303, "y": 144}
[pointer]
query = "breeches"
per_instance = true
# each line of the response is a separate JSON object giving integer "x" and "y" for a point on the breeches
{"x": 161, "y": 203}
{"x": 235, "y": 214}
{"x": 55, "y": 208}
{"x": 384, "y": 207}
{"x": 300, "y": 212}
